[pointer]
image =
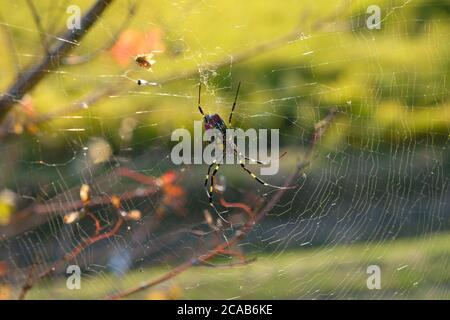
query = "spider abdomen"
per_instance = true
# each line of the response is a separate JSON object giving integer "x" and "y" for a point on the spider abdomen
{"x": 215, "y": 122}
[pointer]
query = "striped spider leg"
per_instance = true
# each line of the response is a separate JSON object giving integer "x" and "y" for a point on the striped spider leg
{"x": 214, "y": 121}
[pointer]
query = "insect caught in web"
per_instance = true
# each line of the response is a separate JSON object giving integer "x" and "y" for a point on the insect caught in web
{"x": 145, "y": 61}
{"x": 214, "y": 121}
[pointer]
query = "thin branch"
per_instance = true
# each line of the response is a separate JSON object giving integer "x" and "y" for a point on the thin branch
{"x": 37, "y": 22}
{"x": 69, "y": 257}
{"x": 116, "y": 202}
{"x": 50, "y": 208}
{"x": 96, "y": 221}
{"x": 239, "y": 205}
{"x": 81, "y": 104}
{"x": 10, "y": 42}
{"x": 248, "y": 226}
{"x": 86, "y": 200}
{"x": 40, "y": 212}
{"x": 229, "y": 265}
{"x": 77, "y": 60}
{"x": 28, "y": 79}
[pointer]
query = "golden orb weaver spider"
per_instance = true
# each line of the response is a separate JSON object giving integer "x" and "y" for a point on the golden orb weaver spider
{"x": 214, "y": 121}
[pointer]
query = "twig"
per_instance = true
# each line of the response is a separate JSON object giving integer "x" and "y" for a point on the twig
{"x": 68, "y": 257}
{"x": 81, "y": 104}
{"x": 96, "y": 221}
{"x": 77, "y": 60}
{"x": 10, "y": 43}
{"x": 239, "y": 205}
{"x": 40, "y": 212}
{"x": 229, "y": 265}
{"x": 37, "y": 22}
{"x": 28, "y": 79}
{"x": 248, "y": 226}
{"x": 136, "y": 176}
{"x": 116, "y": 202}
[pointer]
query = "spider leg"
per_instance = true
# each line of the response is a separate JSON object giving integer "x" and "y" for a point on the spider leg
{"x": 198, "y": 104}
{"x": 241, "y": 162}
{"x": 207, "y": 178}
{"x": 239, "y": 154}
{"x": 211, "y": 186}
{"x": 234, "y": 104}
{"x": 210, "y": 190}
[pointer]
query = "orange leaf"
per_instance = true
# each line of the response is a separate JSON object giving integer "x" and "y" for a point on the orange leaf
{"x": 168, "y": 178}
{"x": 132, "y": 42}
{"x": 174, "y": 191}
{"x": 115, "y": 200}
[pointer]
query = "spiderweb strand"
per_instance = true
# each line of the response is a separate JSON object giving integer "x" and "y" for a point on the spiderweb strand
{"x": 31, "y": 77}
{"x": 248, "y": 226}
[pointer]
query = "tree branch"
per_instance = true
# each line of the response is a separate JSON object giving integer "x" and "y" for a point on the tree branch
{"x": 28, "y": 79}
{"x": 38, "y": 213}
{"x": 37, "y": 22}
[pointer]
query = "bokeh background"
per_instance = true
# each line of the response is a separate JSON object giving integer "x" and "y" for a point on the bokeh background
{"x": 376, "y": 192}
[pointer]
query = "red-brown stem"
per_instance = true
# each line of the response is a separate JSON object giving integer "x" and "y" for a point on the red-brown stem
{"x": 89, "y": 241}
{"x": 239, "y": 205}
{"x": 97, "y": 223}
{"x": 68, "y": 257}
{"x": 229, "y": 265}
{"x": 136, "y": 176}
{"x": 30, "y": 281}
{"x": 233, "y": 253}
{"x": 40, "y": 212}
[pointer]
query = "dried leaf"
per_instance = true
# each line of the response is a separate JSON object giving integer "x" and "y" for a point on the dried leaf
{"x": 115, "y": 200}
{"x": 133, "y": 215}
{"x": 208, "y": 218}
{"x": 85, "y": 193}
{"x": 72, "y": 217}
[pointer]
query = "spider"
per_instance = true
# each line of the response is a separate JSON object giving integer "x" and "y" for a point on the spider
{"x": 214, "y": 121}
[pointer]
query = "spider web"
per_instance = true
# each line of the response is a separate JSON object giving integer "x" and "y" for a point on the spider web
{"x": 375, "y": 193}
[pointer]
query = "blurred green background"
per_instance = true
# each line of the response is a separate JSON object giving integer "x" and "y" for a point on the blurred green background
{"x": 381, "y": 172}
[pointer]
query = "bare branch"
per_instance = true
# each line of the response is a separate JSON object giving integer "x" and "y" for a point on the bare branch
{"x": 77, "y": 60}
{"x": 30, "y": 281}
{"x": 28, "y": 79}
{"x": 37, "y": 22}
{"x": 38, "y": 213}
{"x": 10, "y": 42}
